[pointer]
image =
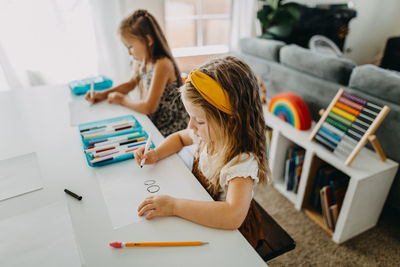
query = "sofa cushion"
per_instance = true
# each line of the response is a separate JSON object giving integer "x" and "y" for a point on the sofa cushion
{"x": 376, "y": 81}
{"x": 326, "y": 67}
{"x": 266, "y": 49}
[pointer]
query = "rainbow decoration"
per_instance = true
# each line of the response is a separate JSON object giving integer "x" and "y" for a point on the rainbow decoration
{"x": 292, "y": 109}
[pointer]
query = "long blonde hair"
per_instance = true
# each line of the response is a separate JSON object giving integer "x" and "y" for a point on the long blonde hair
{"x": 140, "y": 24}
{"x": 245, "y": 130}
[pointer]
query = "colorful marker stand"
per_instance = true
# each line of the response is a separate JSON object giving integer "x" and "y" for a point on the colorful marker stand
{"x": 291, "y": 108}
{"x": 348, "y": 124}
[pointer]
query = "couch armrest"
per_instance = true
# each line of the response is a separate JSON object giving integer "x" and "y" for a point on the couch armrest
{"x": 266, "y": 49}
{"x": 327, "y": 67}
{"x": 376, "y": 81}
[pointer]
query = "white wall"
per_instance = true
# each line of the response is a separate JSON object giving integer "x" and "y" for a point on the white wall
{"x": 376, "y": 21}
{"x": 155, "y": 7}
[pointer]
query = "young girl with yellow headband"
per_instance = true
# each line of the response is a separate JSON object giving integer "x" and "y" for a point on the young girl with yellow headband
{"x": 227, "y": 125}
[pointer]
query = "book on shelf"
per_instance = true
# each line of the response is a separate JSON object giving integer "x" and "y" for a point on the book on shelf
{"x": 293, "y": 167}
{"x": 326, "y": 202}
{"x": 299, "y": 156}
{"x": 268, "y": 137}
{"x": 334, "y": 213}
{"x": 339, "y": 196}
{"x": 329, "y": 191}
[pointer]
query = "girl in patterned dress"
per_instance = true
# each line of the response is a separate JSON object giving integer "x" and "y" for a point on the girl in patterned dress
{"x": 227, "y": 125}
{"x": 155, "y": 73}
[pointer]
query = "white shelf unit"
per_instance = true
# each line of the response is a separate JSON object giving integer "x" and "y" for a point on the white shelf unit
{"x": 369, "y": 184}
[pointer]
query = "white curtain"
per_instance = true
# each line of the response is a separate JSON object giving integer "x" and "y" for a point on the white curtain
{"x": 113, "y": 58}
{"x": 243, "y": 21}
{"x": 54, "y": 41}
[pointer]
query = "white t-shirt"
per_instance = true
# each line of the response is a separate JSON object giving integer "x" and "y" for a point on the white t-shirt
{"x": 247, "y": 167}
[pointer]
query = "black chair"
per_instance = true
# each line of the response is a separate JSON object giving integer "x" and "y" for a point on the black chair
{"x": 276, "y": 240}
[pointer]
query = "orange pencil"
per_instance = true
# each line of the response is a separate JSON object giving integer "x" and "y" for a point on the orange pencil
{"x": 157, "y": 244}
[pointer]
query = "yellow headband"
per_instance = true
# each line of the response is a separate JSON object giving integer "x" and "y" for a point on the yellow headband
{"x": 210, "y": 90}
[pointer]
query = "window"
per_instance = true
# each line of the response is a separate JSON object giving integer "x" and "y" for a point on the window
{"x": 198, "y": 27}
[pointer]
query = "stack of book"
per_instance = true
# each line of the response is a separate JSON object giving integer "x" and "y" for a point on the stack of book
{"x": 329, "y": 191}
{"x": 293, "y": 167}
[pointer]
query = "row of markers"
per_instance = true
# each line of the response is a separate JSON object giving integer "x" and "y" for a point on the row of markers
{"x": 346, "y": 124}
{"x": 105, "y": 149}
{"x": 107, "y": 129}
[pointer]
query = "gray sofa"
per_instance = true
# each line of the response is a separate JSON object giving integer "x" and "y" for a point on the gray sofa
{"x": 317, "y": 78}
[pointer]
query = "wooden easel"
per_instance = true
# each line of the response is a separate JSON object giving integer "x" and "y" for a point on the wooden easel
{"x": 368, "y": 135}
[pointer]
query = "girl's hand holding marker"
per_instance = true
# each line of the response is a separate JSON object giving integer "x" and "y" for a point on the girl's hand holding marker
{"x": 145, "y": 156}
{"x": 95, "y": 97}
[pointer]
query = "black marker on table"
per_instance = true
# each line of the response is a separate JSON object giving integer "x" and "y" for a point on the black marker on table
{"x": 72, "y": 194}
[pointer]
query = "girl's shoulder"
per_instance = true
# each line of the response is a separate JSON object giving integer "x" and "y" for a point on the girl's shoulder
{"x": 243, "y": 159}
{"x": 164, "y": 64}
{"x": 243, "y": 165}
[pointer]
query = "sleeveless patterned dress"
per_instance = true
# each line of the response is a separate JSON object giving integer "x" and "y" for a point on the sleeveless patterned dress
{"x": 170, "y": 115}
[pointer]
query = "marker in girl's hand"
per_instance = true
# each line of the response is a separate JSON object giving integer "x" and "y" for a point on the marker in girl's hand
{"x": 91, "y": 90}
{"x": 146, "y": 148}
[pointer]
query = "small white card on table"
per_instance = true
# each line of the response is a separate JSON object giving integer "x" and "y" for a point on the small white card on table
{"x": 19, "y": 175}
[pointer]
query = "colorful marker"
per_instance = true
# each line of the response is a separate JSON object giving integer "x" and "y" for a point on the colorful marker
{"x": 146, "y": 148}
{"x": 108, "y": 128}
{"x": 116, "y": 139}
{"x": 116, "y": 149}
{"x": 108, "y": 132}
{"x": 121, "y": 154}
{"x": 114, "y": 145}
{"x": 110, "y": 124}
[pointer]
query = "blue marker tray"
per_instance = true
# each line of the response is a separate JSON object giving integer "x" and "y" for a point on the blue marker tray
{"x": 112, "y": 140}
{"x": 80, "y": 87}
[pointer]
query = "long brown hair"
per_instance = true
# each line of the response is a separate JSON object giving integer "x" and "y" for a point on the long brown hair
{"x": 245, "y": 130}
{"x": 140, "y": 24}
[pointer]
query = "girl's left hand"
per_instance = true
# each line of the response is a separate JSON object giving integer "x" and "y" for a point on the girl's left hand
{"x": 116, "y": 97}
{"x": 162, "y": 205}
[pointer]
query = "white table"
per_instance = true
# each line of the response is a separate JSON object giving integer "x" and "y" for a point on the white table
{"x": 41, "y": 113}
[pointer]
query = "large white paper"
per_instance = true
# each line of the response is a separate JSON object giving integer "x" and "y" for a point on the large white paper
{"x": 43, "y": 237}
{"x": 123, "y": 186}
{"x": 19, "y": 175}
{"x": 81, "y": 111}
{"x": 15, "y": 133}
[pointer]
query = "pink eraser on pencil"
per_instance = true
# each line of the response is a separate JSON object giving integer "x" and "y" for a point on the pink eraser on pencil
{"x": 116, "y": 244}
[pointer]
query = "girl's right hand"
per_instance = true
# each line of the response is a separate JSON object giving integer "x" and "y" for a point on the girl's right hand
{"x": 97, "y": 97}
{"x": 151, "y": 156}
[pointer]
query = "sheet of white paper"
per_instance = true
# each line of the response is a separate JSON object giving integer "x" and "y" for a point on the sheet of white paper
{"x": 42, "y": 237}
{"x": 19, "y": 175}
{"x": 81, "y": 111}
{"x": 123, "y": 187}
{"x": 15, "y": 133}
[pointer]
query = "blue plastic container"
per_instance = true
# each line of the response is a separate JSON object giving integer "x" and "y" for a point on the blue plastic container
{"x": 80, "y": 87}
{"x": 95, "y": 133}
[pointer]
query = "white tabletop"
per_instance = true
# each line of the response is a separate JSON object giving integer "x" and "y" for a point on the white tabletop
{"x": 37, "y": 119}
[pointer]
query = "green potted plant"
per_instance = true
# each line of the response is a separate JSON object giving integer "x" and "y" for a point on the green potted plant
{"x": 277, "y": 18}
